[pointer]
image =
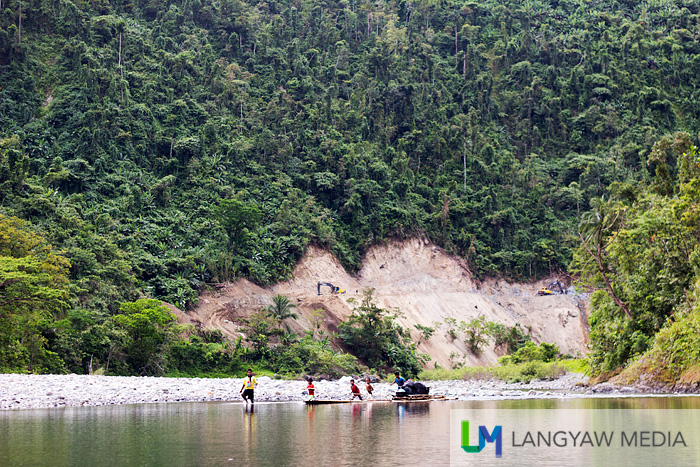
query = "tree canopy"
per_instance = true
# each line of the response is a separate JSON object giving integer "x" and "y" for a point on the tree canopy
{"x": 33, "y": 291}
{"x": 166, "y": 145}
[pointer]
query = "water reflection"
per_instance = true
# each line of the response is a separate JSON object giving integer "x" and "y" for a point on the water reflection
{"x": 265, "y": 434}
{"x": 250, "y": 435}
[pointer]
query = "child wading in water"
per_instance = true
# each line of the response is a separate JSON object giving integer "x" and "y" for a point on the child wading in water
{"x": 369, "y": 388}
{"x": 311, "y": 389}
{"x": 249, "y": 385}
{"x": 355, "y": 390}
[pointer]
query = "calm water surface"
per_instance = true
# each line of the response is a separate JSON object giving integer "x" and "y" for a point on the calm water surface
{"x": 190, "y": 434}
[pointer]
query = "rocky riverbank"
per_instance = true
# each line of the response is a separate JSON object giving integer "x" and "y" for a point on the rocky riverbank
{"x": 48, "y": 391}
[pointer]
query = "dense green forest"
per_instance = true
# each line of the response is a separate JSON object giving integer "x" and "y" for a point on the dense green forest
{"x": 149, "y": 147}
{"x": 641, "y": 250}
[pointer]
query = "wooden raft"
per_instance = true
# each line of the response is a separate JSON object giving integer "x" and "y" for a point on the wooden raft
{"x": 419, "y": 398}
{"x": 343, "y": 401}
{"x": 406, "y": 398}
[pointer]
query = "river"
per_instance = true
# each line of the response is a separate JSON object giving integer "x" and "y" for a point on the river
{"x": 279, "y": 434}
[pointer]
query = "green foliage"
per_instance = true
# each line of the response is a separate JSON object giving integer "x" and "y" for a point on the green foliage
{"x": 673, "y": 355}
{"x": 281, "y": 308}
{"x": 211, "y": 148}
{"x": 426, "y": 332}
{"x": 531, "y": 352}
{"x": 148, "y": 325}
{"x": 287, "y": 353}
{"x": 677, "y": 346}
{"x": 198, "y": 357}
{"x": 527, "y": 371}
{"x": 372, "y": 334}
{"x": 88, "y": 343}
{"x": 316, "y": 357}
{"x": 33, "y": 292}
{"x": 456, "y": 360}
{"x": 511, "y": 338}
{"x": 510, "y": 373}
{"x": 648, "y": 258}
{"x": 166, "y": 147}
{"x": 476, "y": 333}
{"x": 451, "y": 324}
{"x": 238, "y": 219}
{"x": 575, "y": 365}
{"x": 259, "y": 328}
{"x": 14, "y": 164}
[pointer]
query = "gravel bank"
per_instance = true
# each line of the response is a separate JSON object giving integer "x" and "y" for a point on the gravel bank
{"x": 42, "y": 391}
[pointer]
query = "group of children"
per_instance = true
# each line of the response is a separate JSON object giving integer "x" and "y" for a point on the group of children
{"x": 354, "y": 390}
{"x": 250, "y": 383}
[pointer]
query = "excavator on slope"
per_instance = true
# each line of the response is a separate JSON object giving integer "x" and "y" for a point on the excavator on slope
{"x": 555, "y": 286}
{"x": 334, "y": 290}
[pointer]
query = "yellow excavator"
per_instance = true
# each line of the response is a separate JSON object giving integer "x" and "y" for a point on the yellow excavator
{"x": 334, "y": 290}
{"x": 555, "y": 286}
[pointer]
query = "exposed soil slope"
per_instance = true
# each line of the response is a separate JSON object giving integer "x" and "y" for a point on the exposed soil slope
{"x": 420, "y": 279}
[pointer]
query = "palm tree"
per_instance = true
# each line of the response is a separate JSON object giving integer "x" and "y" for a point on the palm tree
{"x": 593, "y": 225}
{"x": 281, "y": 309}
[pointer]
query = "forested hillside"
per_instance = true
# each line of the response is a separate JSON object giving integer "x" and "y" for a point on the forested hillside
{"x": 159, "y": 145}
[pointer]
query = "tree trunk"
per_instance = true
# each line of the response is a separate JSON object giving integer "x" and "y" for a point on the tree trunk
{"x": 608, "y": 285}
{"x": 465, "y": 165}
{"x": 456, "y": 36}
{"x": 121, "y": 85}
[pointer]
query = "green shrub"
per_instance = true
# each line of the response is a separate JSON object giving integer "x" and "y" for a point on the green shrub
{"x": 511, "y": 338}
{"x": 475, "y": 334}
{"x": 530, "y": 352}
{"x": 196, "y": 357}
{"x": 510, "y": 373}
{"x": 676, "y": 347}
{"x": 372, "y": 334}
{"x": 575, "y": 365}
{"x": 526, "y": 372}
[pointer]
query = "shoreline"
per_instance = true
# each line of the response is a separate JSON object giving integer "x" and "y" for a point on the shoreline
{"x": 18, "y": 391}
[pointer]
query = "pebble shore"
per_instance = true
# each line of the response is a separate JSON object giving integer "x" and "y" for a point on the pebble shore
{"x": 48, "y": 391}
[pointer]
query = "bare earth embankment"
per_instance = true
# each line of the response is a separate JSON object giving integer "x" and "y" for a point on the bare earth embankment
{"x": 424, "y": 283}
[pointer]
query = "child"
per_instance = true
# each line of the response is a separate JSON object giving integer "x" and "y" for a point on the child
{"x": 398, "y": 380}
{"x": 311, "y": 389}
{"x": 355, "y": 390}
{"x": 249, "y": 385}
{"x": 369, "y": 388}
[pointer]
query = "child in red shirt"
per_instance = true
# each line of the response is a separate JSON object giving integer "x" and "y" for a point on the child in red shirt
{"x": 311, "y": 389}
{"x": 355, "y": 390}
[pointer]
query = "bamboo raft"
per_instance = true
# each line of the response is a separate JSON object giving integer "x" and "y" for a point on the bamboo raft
{"x": 343, "y": 401}
{"x": 420, "y": 398}
{"x": 406, "y": 398}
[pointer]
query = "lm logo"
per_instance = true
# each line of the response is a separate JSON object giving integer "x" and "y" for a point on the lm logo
{"x": 484, "y": 437}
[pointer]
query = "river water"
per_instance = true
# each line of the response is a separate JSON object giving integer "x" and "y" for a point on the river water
{"x": 279, "y": 434}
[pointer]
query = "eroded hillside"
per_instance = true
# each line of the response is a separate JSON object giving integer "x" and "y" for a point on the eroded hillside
{"x": 424, "y": 283}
